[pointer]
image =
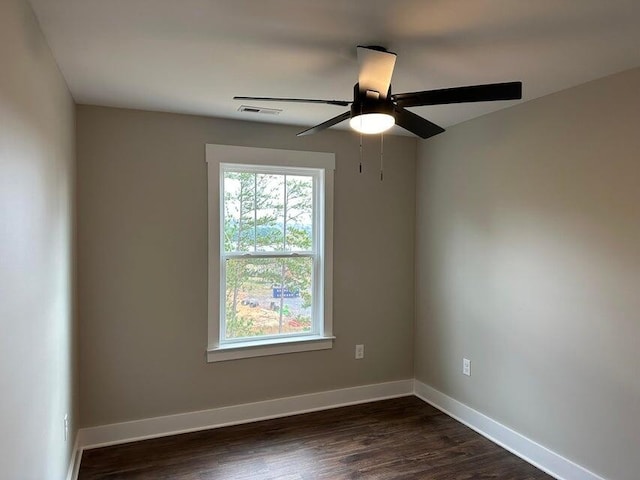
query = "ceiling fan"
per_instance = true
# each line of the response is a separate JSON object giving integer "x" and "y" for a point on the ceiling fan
{"x": 374, "y": 109}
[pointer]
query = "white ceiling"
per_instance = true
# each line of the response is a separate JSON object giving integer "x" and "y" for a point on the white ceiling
{"x": 193, "y": 56}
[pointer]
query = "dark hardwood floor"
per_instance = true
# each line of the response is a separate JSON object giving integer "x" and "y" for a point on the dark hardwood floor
{"x": 402, "y": 438}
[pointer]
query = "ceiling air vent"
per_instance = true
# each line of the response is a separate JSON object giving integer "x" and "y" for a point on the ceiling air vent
{"x": 266, "y": 111}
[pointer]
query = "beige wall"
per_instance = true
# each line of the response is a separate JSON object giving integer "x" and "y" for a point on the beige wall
{"x": 528, "y": 263}
{"x": 142, "y": 246}
{"x": 37, "y": 378}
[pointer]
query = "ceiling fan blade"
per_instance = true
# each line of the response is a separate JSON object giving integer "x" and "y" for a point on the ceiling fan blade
{"x": 416, "y": 124}
{"x": 325, "y": 125}
{"x": 473, "y": 93}
{"x": 376, "y": 69}
{"x": 341, "y": 103}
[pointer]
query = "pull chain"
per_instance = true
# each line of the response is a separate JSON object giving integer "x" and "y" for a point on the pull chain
{"x": 361, "y": 152}
{"x": 361, "y": 149}
{"x": 381, "y": 157}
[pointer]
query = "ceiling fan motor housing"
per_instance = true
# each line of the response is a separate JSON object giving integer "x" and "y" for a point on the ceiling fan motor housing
{"x": 363, "y": 103}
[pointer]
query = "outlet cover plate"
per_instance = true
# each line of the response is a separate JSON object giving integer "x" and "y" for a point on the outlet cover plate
{"x": 466, "y": 367}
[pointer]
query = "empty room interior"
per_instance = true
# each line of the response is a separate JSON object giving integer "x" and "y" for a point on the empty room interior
{"x": 320, "y": 240}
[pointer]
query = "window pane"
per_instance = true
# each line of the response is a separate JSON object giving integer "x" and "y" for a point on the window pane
{"x": 239, "y": 207}
{"x": 269, "y": 213}
{"x": 299, "y": 213}
{"x": 295, "y": 299}
{"x": 268, "y": 296}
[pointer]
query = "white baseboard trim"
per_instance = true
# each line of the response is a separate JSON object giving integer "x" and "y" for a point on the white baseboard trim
{"x": 74, "y": 461}
{"x": 104, "y": 435}
{"x": 546, "y": 460}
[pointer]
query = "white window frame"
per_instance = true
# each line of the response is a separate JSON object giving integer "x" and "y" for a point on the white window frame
{"x": 219, "y": 156}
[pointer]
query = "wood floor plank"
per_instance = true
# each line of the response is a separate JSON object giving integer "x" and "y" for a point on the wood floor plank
{"x": 397, "y": 439}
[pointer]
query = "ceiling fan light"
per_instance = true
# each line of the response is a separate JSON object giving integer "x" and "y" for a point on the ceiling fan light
{"x": 372, "y": 122}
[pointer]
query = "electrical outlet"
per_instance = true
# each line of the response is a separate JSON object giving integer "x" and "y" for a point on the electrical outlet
{"x": 66, "y": 426}
{"x": 359, "y": 352}
{"x": 466, "y": 367}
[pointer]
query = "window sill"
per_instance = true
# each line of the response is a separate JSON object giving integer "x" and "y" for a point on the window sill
{"x": 269, "y": 347}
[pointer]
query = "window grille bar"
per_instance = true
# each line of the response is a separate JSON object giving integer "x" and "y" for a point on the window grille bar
{"x": 285, "y": 214}
{"x": 283, "y": 287}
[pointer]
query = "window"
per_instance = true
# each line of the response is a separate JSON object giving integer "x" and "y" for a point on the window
{"x": 270, "y": 251}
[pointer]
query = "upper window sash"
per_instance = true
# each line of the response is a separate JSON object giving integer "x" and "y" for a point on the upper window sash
{"x": 316, "y": 175}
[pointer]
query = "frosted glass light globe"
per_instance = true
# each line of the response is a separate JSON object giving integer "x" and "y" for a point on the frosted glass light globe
{"x": 372, "y": 122}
